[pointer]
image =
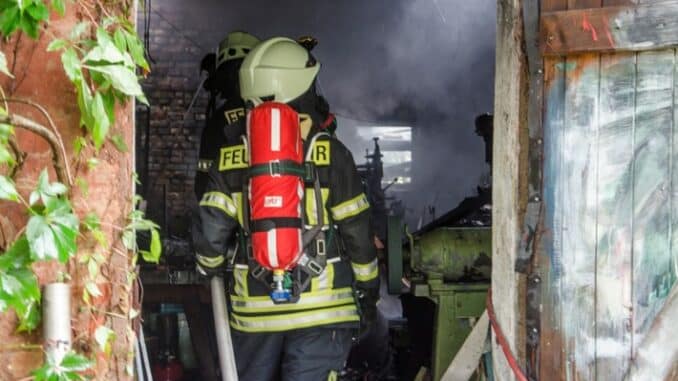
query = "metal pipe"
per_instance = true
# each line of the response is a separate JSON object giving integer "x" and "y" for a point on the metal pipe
{"x": 221, "y": 325}
{"x": 144, "y": 353}
{"x": 57, "y": 320}
{"x": 137, "y": 360}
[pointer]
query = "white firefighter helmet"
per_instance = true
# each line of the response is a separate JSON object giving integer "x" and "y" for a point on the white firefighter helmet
{"x": 278, "y": 69}
{"x": 236, "y": 45}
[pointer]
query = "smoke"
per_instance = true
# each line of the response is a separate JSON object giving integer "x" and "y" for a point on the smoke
{"x": 424, "y": 63}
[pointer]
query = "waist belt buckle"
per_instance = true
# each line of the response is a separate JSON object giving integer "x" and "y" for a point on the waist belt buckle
{"x": 314, "y": 267}
{"x": 320, "y": 247}
{"x": 274, "y": 168}
{"x": 259, "y": 272}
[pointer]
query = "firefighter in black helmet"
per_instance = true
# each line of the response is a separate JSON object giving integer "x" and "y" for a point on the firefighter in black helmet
{"x": 309, "y": 339}
{"x": 225, "y": 116}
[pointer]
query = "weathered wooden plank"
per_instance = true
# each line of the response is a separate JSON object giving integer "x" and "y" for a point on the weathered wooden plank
{"x": 617, "y": 28}
{"x": 578, "y": 190}
{"x": 614, "y": 238}
{"x": 551, "y": 360}
{"x": 583, "y": 4}
{"x": 553, "y": 5}
{"x": 652, "y": 275}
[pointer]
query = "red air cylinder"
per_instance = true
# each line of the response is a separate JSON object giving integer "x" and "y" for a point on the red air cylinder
{"x": 276, "y": 196}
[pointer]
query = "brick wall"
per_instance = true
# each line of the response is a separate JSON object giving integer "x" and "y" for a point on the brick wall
{"x": 166, "y": 162}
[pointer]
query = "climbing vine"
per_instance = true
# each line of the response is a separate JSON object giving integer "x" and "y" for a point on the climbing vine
{"x": 102, "y": 57}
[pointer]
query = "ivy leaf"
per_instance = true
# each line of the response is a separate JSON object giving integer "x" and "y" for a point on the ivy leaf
{"x": 59, "y": 6}
{"x": 74, "y": 362}
{"x": 57, "y": 44}
{"x": 72, "y": 65}
{"x": 78, "y": 144}
{"x": 104, "y": 336}
{"x": 41, "y": 239}
{"x": 101, "y": 122}
{"x": 122, "y": 78}
{"x": 92, "y": 163}
{"x": 68, "y": 369}
{"x": 93, "y": 289}
{"x": 78, "y": 30}
{"x": 7, "y": 189}
{"x": 153, "y": 255}
{"x": 120, "y": 40}
{"x": 19, "y": 290}
{"x": 83, "y": 185}
{"x": 38, "y": 11}
{"x": 9, "y": 20}
{"x": 29, "y": 25}
{"x": 6, "y": 157}
{"x": 84, "y": 100}
{"x": 91, "y": 222}
{"x": 3, "y": 65}
{"x": 53, "y": 236}
{"x": 45, "y": 190}
{"x": 136, "y": 50}
{"x": 29, "y": 315}
{"x": 129, "y": 239}
{"x": 17, "y": 256}
{"x": 119, "y": 143}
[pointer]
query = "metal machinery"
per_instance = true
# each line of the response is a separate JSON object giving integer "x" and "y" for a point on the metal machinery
{"x": 450, "y": 266}
{"x": 448, "y": 262}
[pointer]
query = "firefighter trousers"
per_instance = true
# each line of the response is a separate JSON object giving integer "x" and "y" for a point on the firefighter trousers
{"x": 310, "y": 354}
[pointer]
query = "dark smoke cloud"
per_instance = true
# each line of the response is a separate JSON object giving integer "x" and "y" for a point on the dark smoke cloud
{"x": 427, "y": 63}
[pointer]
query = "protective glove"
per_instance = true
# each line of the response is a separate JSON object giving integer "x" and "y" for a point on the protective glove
{"x": 367, "y": 302}
{"x": 209, "y": 266}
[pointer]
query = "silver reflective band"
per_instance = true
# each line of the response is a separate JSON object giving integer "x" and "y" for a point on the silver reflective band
{"x": 306, "y": 301}
{"x": 220, "y": 201}
{"x": 351, "y": 207}
{"x": 366, "y": 272}
{"x": 204, "y": 165}
{"x": 294, "y": 320}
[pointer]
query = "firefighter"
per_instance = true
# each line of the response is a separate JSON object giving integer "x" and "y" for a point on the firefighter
{"x": 225, "y": 110}
{"x": 309, "y": 339}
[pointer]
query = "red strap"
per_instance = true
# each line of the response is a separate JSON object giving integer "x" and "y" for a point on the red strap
{"x": 327, "y": 122}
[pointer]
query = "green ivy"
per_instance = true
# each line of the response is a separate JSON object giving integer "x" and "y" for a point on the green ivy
{"x": 68, "y": 369}
{"x": 19, "y": 288}
{"x": 101, "y": 60}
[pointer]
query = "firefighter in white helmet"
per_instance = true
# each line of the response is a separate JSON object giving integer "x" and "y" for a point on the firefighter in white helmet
{"x": 309, "y": 339}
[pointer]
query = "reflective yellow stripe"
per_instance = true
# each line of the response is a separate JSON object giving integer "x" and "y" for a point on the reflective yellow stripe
{"x": 240, "y": 277}
{"x": 320, "y": 153}
{"x": 285, "y": 322}
{"x": 311, "y": 210}
{"x": 365, "y": 272}
{"x": 307, "y": 301}
{"x": 234, "y": 157}
{"x": 325, "y": 280}
{"x": 237, "y": 200}
{"x": 210, "y": 261}
{"x": 350, "y": 208}
{"x": 332, "y": 376}
{"x": 220, "y": 201}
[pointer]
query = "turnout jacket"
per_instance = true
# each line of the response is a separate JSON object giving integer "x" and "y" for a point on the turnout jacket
{"x": 224, "y": 126}
{"x": 351, "y": 255}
